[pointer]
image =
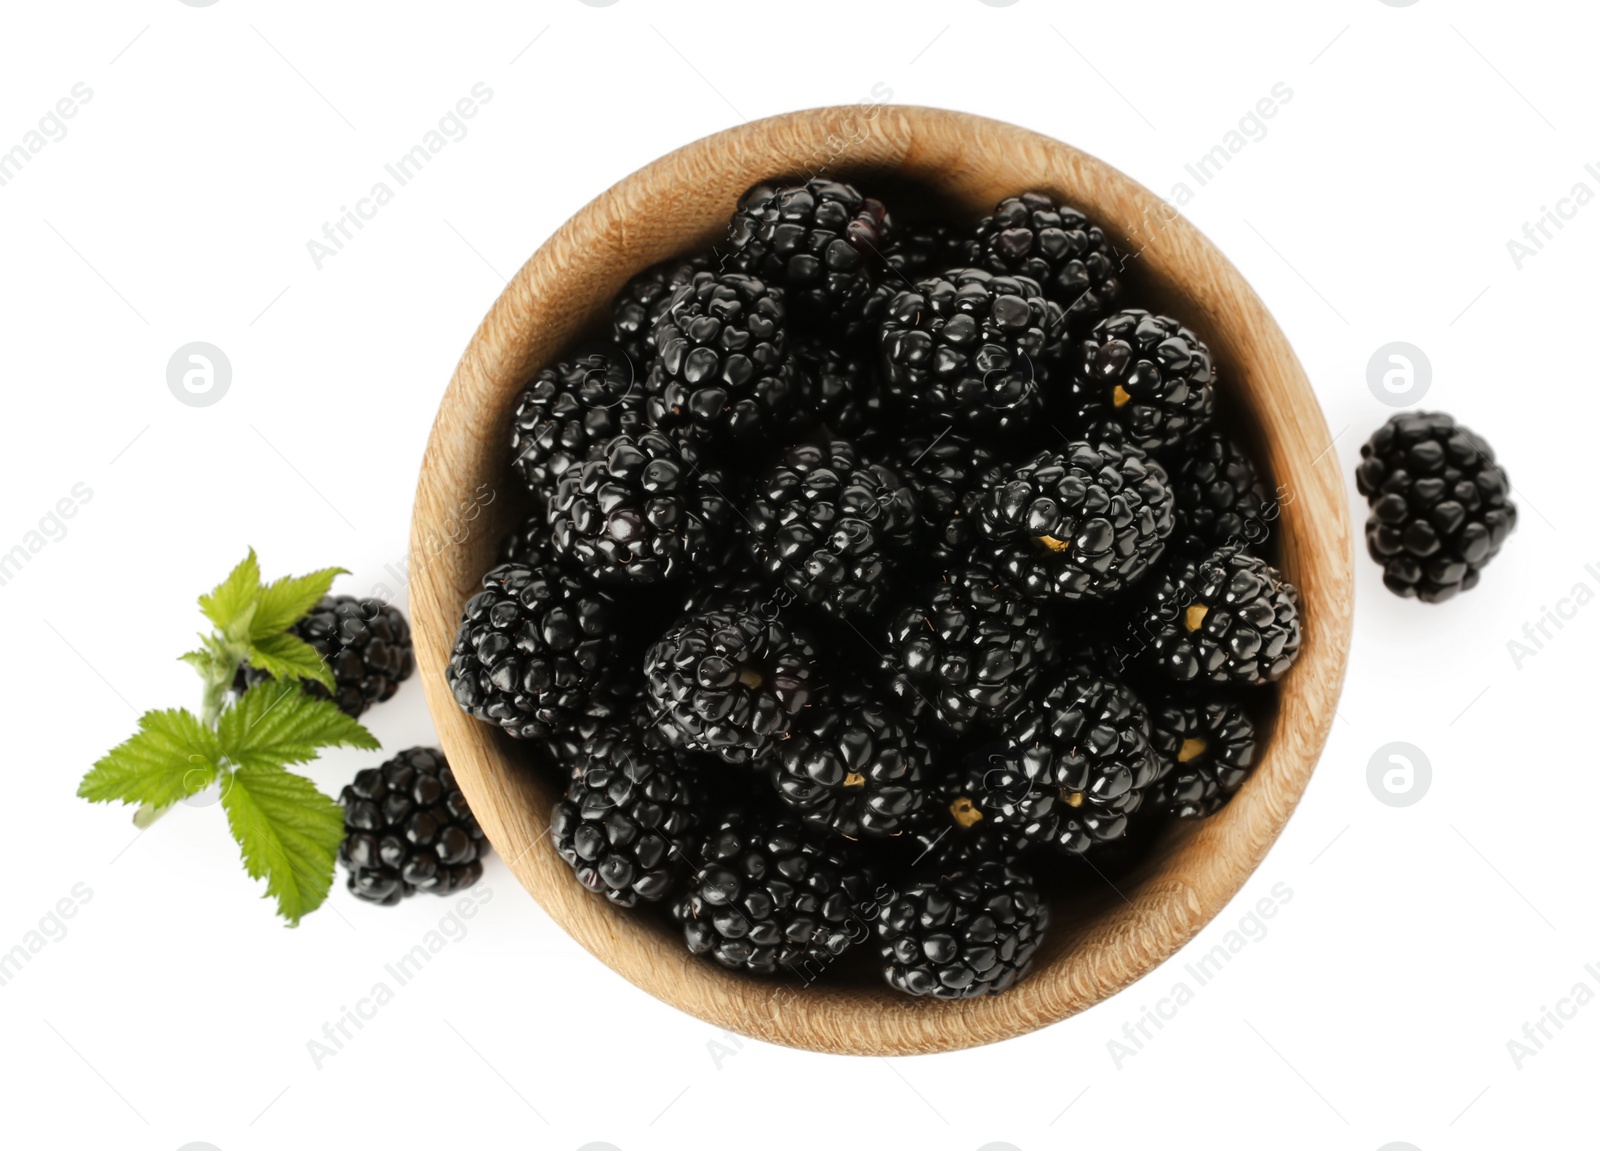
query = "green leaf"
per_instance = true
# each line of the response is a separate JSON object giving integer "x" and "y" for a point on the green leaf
{"x": 231, "y": 603}
{"x": 172, "y": 757}
{"x": 288, "y": 657}
{"x": 285, "y": 600}
{"x": 288, "y": 833}
{"x": 276, "y": 723}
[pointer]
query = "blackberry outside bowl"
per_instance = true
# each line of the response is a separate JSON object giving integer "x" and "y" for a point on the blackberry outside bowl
{"x": 1101, "y": 939}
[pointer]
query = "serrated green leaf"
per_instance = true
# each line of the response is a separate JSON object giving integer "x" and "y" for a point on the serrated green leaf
{"x": 173, "y": 756}
{"x": 199, "y": 660}
{"x": 288, "y": 657}
{"x": 285, "y": 600}
{"x": 276, "y": 723}
{"x": 288, "y": 833}
{"x": 231, "y": 603}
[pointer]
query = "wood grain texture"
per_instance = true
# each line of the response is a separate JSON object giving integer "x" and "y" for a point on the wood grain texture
{"x": 1102, "y": 940}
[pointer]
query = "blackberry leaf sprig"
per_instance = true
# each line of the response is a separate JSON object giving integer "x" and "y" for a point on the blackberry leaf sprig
{"x": 288, "y": 831}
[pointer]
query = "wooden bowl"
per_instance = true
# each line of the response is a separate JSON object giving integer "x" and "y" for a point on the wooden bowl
{"x": 1101, "y": 939}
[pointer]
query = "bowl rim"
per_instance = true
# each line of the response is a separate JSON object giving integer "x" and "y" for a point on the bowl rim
{"x": 648, "y": 216}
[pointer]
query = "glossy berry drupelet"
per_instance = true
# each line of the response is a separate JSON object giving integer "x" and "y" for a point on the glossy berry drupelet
{"x": 641, "y": 303}
{"x": 1084, "y": 521}
{"x": 1148, "y": 373}
{"x": 1218, "y": 497}
{"x": 1230, "y": 617}
{"x": 962, "y": 933}
{"x": 408, "y": 828}
{"x": 366, "y": 644}
{"x": 1207, "y": 749}
{"x": 857, "y": 769}
{"x": 966, "y": 648}
{"x": 1070, "y": 258}
{"x": 821, "y": 241}
{"x": 766, "y": 898}
{"x": 1441, "y": 507}
{"x": 533, "y": 647}
{"x": 643, "y": 508}
{"x": 827, "y": 526}
{"x": 965, "y": 348}
{"x": 723, "y": 360}
{"x": 628, "y": 816}
{"x": 1074, "y": 765}
{"x": 568, "y": 411}
{"x": 730, "y": 679}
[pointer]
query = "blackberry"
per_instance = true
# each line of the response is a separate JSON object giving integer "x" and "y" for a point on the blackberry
{"x": 407, "y": 828}
{"x": 1218, "y": 498}
{"x": 826, "y": 526}
{"x": 1228, "y": 618}
{"x": 627, "y": 818}
{"x": 765, "y": 898}
{"x": 965, "y": 348}
{"x": 1081, "y": 522}
{"x": 839, "y": 389}
{"x": 567, "y": 411}
{"x": 730, "y": 679}
{"x": 1147, "y": 372}
{"x": 967, "y": 648}
{"x": 533, "y": 646}
{"x": 643, "y": 508}
{"x": 366, "y": 644}
{"x": 968, "y": 932}
{"x": 723, "y": 360}
{"x": 859, "y": 770}
{"x": 643, "y": 300}
{"x": 1207, "y": 749}
{"x": 948, "y": 472}
{"x": 1441, "y": 507}
{"x": 821, "y": 241}
{"x": 1075, "y": 764}
{"x": 1070, "y": 258}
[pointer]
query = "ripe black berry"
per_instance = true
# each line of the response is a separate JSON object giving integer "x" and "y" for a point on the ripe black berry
{"x": 766, "y": 898}
{"x": 1228, "y": 618}
{"x": 569, "y": 410}
{"x": 820, "y": 241}
{"x": 966, "y": 648}
{"x": 408, "y": 828}
{"x": 1207, "y": 748}
{"x": 858, "y": 769}
{"x": 532, "y": 648}
{"x": 826, "y": 525}
{"x": 628, "y": 815}
{"x": 1149, "y": 373}
{"x": 965, "y": 348}
{"x": 1441, "y": 506}
{"x": 1218, "y": 498}
{"x": 723, "y": 360}
{"x": 972, "y": 931}
{"x": 730, "y": 679}
{"x": 1074, "y": 764}
{"x": 1070, "y": 258}
{"x": 642, "y": 509}
{"x": 1082, "y": 521}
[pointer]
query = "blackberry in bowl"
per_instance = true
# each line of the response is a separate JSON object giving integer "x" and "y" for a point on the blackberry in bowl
{"x": 845, "y": 633}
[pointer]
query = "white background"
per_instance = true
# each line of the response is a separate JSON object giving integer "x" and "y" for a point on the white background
{"x": 218, "y": 140}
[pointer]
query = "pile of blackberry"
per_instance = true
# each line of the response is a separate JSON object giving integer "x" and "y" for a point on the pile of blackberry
{"x": 882, "y": 581}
